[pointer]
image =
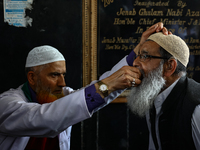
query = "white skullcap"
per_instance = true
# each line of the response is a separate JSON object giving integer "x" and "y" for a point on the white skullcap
{"x": 43, "y": 55}
{"x": 174, "y": 45}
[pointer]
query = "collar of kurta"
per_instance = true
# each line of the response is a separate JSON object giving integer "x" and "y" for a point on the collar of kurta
{"x": 29, "y": 93}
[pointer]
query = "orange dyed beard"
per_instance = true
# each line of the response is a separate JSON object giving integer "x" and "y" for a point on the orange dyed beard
{"x": 44, "y": 95}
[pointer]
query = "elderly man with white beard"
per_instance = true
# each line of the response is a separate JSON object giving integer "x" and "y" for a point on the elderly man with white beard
{"x": 166, "y": 97}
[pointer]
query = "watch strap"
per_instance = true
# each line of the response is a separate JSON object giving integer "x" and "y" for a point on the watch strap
{"x": 105, "y": 93}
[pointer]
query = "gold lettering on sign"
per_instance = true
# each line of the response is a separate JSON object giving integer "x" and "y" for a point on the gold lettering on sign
{"x": 152, "y": 12}
{"x": 147, "y": 14}
{"x": 190, "y": 68}
{"x": 129, "y": 40}
{"x": 139, "y": 30}
{"x": 117, "y": 47}
{"x": 123, "y": 12}
{"x": 186, "y": 40}
{"x": 192, "y": 40}
{"x": 124, "y": 47}
{"x": 192, "y": 13}
{"x": 181, "y": 4}
{"x": 107, "y": 2}
{"x": 150, "y": 4}
{"x": 119, "y": 21}
{"x": 171, "y": 12}
{"x": 194, "y": 22}
{"x": 167, "y": 21}
{"x": 172, "y": 30}
{"x": 119, "y": 43}
{"x": 197, "y": 68}
{"x": 144, "y": 21}
{"x": 182, "y": 30}
{"x": 105, "y": 40}
{"x": 130, "y": 21}
{"x": 190, "y": 75}
{"x": 109, "y": 47}
{"x": 195, "y": 52}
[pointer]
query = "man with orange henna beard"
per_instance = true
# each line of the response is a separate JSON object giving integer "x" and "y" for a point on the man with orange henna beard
{"x": 40, "y": 113}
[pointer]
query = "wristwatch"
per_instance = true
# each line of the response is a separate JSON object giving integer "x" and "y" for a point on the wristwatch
{"x": 103, "y": 88}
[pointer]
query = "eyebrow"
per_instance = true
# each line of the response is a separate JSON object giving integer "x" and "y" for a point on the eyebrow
{"x": 57, "y": 73}
{"x": 143, "y": 52}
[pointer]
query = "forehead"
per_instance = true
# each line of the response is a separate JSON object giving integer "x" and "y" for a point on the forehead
{"x": 58, "y": 66}
{"x": 150, "y": 47}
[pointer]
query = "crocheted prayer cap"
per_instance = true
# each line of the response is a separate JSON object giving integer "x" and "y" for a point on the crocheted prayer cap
{"x": 174, "y": 45}
{"x": 43, "y": 55}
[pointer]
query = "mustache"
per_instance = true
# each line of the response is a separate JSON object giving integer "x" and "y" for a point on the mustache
{"x": 45, "y": 95}
{"x": 58, "y": 89}
{"x": 141, "y": 71}
{"x": 141, "y": 98}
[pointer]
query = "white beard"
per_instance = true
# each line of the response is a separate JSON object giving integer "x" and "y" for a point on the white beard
{"x": 142, "y": 97}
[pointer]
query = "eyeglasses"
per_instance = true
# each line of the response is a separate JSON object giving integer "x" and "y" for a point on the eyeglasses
{"x": 144, "y": 57}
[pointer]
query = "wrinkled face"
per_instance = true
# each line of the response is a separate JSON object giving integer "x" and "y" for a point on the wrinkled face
{"x": 148, "y": 65}
{"x": 141, "y": 98}
{"x": 50, "y": 82}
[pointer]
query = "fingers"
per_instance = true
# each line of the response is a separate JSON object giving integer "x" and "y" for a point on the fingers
{"x": 123, "y": 78}
{"x": 132, "y": 76}
{"x": 155, "y": 28}
{"x": 164, "y": 31}
{"x": 159, "y": 27}
{"x": 169, "y": 33}
{"x": 131, "y": 71}
{"x": 133, "y": 82}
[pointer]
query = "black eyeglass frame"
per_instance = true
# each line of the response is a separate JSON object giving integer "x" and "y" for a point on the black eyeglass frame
{"x": 149, "y": 56}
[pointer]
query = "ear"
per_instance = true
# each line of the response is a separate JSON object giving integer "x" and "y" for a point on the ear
{"x": 31, "y": 78}
{"x": 169, "y": 67}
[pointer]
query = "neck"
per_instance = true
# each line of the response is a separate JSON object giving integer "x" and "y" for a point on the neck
{"x": 169, "y": 81}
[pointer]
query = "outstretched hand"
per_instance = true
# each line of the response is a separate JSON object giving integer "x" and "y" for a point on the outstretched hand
{"x": 158, "y": 27}
{"x": 125, "y": 77}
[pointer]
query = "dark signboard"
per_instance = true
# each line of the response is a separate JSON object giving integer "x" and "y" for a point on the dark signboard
{"x": 121, "y": 24}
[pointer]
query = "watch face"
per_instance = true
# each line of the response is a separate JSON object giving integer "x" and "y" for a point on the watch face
{"x": 103, "y": 87}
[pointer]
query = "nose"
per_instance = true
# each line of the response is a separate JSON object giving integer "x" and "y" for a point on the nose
{"x": 61, "y": 81}
{"x": 136, "y": 62}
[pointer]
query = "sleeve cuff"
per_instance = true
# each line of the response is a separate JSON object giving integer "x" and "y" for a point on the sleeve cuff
{"x": 93, "y": 99}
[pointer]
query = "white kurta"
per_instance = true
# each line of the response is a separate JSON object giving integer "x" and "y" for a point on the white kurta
{"x": 19, "y": 119}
